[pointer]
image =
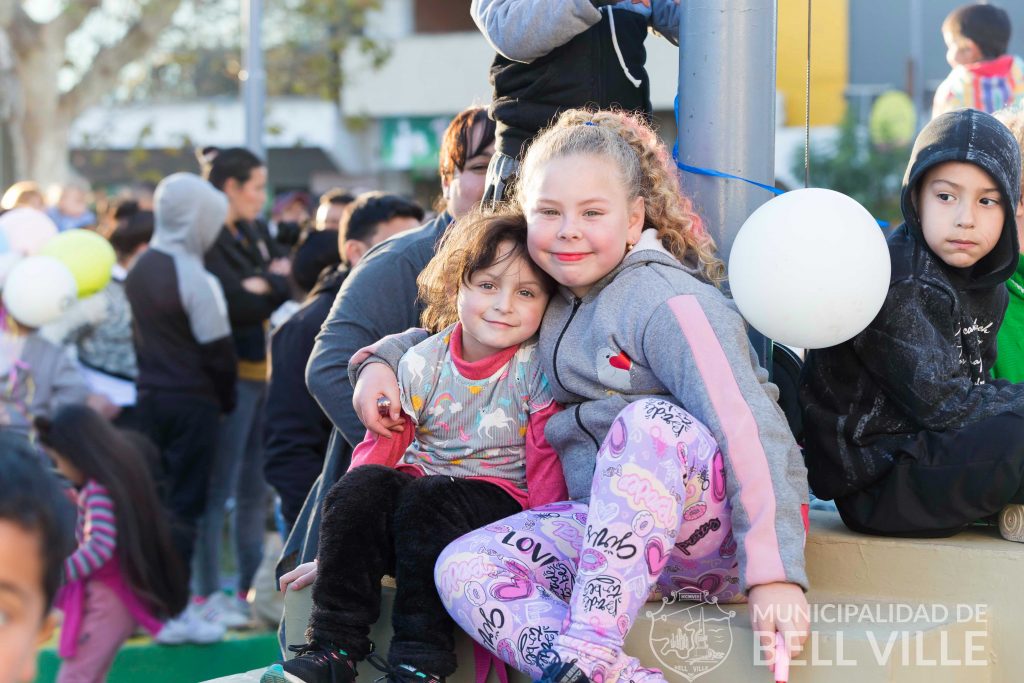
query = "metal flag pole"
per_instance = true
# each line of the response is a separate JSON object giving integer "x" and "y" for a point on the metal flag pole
{"x": 254, "y": 81}
{"x": 726, "y": 114}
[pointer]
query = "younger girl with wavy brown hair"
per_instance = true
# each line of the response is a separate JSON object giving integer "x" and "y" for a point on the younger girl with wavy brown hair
{"x": 683, "y": 475}
{"x": 475, "y": 403}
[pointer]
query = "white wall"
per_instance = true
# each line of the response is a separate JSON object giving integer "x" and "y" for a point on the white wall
{"x": 426, "y": 75}
{"x": 439, "y": 74}
{"x": 294, "y": 122}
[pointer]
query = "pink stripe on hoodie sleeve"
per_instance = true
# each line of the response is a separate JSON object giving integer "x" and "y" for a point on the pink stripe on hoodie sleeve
{"x": 742, "y": 446}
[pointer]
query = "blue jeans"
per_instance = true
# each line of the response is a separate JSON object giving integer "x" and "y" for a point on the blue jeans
{"x": 237, "y": 472}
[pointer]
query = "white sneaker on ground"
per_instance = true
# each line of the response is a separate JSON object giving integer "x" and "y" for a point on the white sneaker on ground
{"x": 1011, "y": 522}
{"x": 189, "y": 627}
{"x": 226, "y": 610}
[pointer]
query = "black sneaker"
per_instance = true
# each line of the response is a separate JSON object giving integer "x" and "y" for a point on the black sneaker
{"x": 555, "y": 671}
{"x": 313, "y": 663}
{"x": 403, "y": 673}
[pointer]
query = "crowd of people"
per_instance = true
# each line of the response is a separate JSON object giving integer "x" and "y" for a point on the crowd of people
{"x": 155, "y": 400}
{"x": 536, "y": 410}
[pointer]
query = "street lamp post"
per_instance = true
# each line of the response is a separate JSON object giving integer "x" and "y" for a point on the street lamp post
{"x": 726, "y": 117}
{"x": 254, "y": 77}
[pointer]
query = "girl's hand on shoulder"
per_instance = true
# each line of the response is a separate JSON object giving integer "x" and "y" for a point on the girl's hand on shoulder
{"x": 377, "y": 381}
{"x": 256, "y": 285}
{"x": 360, "y": 356}
{"x": 299, "y": 578}
{"x": 779, "y": 607}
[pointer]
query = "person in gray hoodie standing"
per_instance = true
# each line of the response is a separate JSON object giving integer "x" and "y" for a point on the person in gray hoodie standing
{"x": 186, "y": 358}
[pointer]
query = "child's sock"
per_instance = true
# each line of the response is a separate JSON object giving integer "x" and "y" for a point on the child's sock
{"x": 604, "y": 665}
{"x": 1011, "y": 522}
{"x": 632, "y": 672}
{"x": 593, "y": 660}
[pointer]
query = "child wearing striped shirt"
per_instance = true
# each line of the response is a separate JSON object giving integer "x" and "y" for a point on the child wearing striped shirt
{"x": 125, "y": 571}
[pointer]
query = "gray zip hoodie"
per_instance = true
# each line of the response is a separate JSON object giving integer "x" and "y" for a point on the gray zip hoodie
{"x": 650, "y": 328}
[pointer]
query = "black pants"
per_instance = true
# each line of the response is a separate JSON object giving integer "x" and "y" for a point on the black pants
{"x": 184, "y": 428}
{"x": 379, "y": 521}
{"x": 943, "y": 481}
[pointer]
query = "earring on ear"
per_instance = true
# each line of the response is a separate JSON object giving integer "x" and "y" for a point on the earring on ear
{"x": 629, "y": 247}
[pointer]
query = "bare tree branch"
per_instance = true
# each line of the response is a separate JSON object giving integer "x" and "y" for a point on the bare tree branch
{"x": 103, "y": 74}
{"x": 72, "y": 17}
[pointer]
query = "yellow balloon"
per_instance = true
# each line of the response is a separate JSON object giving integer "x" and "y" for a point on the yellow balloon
{"x": 88, "y": 256}
{"x": 893, "y": 119}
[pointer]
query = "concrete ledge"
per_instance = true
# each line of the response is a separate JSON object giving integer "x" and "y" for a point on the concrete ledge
{"x": 883, "y": 610}
{"x": 974, "y": 568}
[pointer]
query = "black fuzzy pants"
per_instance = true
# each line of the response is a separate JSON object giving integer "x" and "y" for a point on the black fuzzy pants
{"x": 943, "y": 481}
{"x": 379, "y": 521}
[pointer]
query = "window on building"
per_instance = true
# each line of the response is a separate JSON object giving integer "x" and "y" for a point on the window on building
{"x": 443, "y": 16}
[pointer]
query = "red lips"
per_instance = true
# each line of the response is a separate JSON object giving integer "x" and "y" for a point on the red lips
{"x": 570, "y": 256}
{"x": 621, "y": 361}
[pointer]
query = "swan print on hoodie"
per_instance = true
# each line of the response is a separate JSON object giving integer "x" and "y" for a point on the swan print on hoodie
{"x": 613, "y": 369}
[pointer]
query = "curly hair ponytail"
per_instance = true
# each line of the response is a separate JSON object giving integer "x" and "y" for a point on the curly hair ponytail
{"x": 647, "y": 171}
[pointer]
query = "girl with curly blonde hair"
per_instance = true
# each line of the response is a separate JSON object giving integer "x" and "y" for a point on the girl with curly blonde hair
{"x": 683, "y": 476}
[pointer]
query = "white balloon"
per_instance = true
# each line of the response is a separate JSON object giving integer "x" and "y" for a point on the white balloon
{"x": 810, "y": 268}
{"x": 8, "y": 260}
{"x": 38, "y": 290}
{"x": 27, "y": 230}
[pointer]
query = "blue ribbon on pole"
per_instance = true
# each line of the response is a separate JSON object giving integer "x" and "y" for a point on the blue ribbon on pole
{"x": 697, "y": 170}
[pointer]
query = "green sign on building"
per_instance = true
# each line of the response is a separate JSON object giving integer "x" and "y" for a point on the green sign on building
{"x": 411, "y": 143}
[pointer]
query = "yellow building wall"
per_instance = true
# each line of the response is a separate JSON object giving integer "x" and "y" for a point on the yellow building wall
{"x": 830, "y": 50}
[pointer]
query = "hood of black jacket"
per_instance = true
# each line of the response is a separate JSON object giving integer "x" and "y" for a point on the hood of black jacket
{"x": 973, "y": 137}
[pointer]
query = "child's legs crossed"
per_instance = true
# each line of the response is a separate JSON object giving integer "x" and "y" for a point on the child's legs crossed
{"x": 508, "y": 584}
{"x": 106, "y": 624}
{"x": 433, "y": 512}
{"x": 636, "y": 511}
{"x": 356, "y": 549}
{"x": 943, "y": 481}
{"x": 703, "y": 562}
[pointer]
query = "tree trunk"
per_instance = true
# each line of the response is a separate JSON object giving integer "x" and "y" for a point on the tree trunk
{"x": 40, "y": 132}
{"x": 42, "y": 150}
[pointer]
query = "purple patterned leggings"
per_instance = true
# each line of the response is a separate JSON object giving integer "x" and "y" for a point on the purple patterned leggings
{"x": 574, "y": 578}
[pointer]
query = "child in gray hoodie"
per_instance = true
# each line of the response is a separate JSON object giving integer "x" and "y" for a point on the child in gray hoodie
{"x": 682, "y": 471}
{"x": 187, "y": 364}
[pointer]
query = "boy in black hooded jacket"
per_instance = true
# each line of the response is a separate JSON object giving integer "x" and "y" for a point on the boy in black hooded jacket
{"x": 903, "y": 426}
